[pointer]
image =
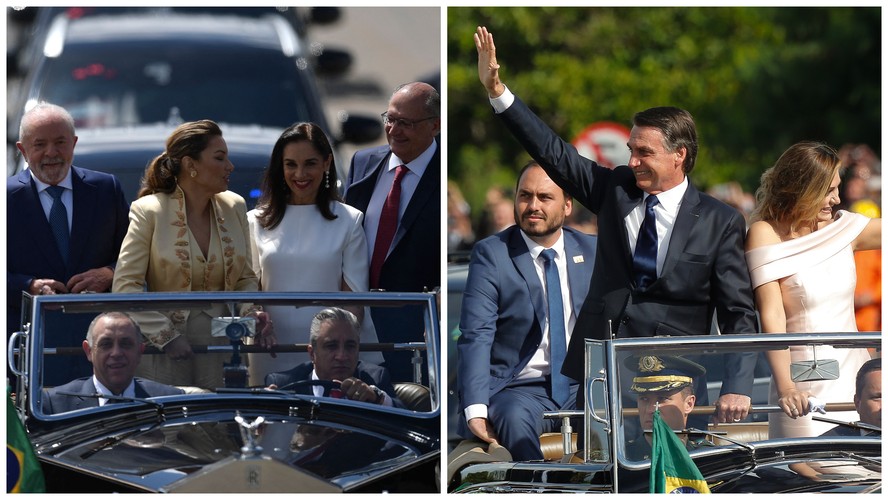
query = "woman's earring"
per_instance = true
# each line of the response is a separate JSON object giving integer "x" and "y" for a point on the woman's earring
{"x": 327, "y": 179}
{"x": 193, "y": 173}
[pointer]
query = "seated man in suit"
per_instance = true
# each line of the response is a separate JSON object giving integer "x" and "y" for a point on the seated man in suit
{"x": 334, "y": 344}
{"x": 867, "y": 400}
{"x": 523, "y": 293}
{"x": 667, "y": 383}
{"x": 114, "y": 347}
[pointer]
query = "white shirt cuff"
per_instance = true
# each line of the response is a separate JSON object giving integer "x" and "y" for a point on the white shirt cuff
{"x": 502, "y": 102}
{"x": 475, "y": 411}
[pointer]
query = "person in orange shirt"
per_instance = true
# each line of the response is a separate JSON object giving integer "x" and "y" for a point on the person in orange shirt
{"x": 868, "y": 293}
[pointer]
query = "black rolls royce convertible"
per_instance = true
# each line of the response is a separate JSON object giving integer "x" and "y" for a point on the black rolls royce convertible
{"x": 240, "y": 436}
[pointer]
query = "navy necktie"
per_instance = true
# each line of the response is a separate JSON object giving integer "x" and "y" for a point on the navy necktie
{"x": 58, "y": 220}
{"x": 557, "y": 332}
{"x": 645, "y": 260}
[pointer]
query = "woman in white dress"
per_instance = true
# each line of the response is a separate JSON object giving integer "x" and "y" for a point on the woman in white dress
{"x": 801, "y": 261}
{"x": 304, "y": 239}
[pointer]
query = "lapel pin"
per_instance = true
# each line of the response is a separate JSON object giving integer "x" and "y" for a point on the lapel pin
{"x": 578, "y": 259}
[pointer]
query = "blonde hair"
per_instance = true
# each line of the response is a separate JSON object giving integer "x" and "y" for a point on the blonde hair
{"x": 792, "y": 191}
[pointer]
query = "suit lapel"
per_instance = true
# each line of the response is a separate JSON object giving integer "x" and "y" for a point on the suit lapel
{"x": 84, "y": 208}
{"x": 81, "y": 402}
{"x": 140, "y": 391}
{"x": 627, "y": 200}
{"x": 688, "y": 215}
{"x": 429, "y": 185}
{"x": 520, "y": 256}
{"x": 360, "y": 192}
{"x": 576, "y": 277}
{"x": 35, "y": 218}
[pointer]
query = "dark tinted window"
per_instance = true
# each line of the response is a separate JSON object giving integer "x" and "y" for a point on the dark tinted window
{"x": 124, "y": 84}
{"x": 245, "y": 180}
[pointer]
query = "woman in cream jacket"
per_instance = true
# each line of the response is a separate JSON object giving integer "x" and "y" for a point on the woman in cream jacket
{"x": 188, "y": 233}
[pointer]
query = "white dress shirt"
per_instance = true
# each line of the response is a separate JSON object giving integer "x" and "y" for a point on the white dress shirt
{"x": 539, "y": 364}
{"x": 416, "y": 168}
{"x": 46, "y": 199}
{"x": 665, "y": 211}
{"x": 129, "y": 392}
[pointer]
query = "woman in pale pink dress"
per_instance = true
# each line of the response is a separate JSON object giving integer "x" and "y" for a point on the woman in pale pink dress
{"x": 801, "y": 261}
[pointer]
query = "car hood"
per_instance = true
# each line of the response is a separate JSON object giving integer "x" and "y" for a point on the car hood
{"x": 199, "y": 445}
{"x": 840, "y": 465}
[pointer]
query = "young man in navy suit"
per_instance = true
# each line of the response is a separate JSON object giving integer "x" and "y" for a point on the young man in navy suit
{"x": 114, "y": 346}
{"x": 93, "y": 218}
{"x": 693, "y": 265}
{"x": 408, "y": 257}
{"x": 508, "y": 358}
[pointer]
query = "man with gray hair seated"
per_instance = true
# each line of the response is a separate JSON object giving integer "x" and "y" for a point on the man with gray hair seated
{"x": 114, "y": 347}
{"x": 334, "y": 345}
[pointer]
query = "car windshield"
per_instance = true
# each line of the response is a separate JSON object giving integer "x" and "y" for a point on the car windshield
{"x": 648, "y": 378}
{"x": 226, "y": 323}
{"x": 125, "y": 84}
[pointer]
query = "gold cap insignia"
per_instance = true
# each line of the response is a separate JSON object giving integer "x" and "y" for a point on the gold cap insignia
{"x": 650, "y": 364}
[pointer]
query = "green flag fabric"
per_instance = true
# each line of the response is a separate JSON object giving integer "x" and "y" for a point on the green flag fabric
{"x": 672, "y": 470}
{"x": 23, "y": 472}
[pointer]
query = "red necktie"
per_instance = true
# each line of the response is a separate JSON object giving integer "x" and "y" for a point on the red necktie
{"x": 388, "y": 224}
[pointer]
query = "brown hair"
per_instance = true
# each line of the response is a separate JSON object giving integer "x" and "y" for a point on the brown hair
{"x": 188, "y": 140}
{"x": 275, "y": 191}
{"x": 791, "y": 192}
{"x": 677, "y": 127}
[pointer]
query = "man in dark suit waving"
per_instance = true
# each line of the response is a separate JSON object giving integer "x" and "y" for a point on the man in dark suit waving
{"x": 524, "y": 288}
{"x": 670, "y": 256}
{"x": 398, "y": 187}
{"x": 334, "y": 344}
{"x": 114, "y": 347}
{"x": 65, "y": 223}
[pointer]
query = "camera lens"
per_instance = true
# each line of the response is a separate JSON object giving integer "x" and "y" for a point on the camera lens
{"x": 235, "y": 331}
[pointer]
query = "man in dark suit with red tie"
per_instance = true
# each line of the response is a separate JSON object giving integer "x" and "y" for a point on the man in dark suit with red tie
{"x": 402, "y": 220}
{"x": 334, "y": 345}
{"x": 669, "y": 276}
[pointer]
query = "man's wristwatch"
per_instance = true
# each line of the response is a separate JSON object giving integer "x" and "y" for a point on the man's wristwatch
{"x": 380, "y": 394}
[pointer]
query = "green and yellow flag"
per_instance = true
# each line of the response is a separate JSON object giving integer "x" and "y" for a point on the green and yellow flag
{"x": 672, "y": 470}
{"x": 23, "y": 472}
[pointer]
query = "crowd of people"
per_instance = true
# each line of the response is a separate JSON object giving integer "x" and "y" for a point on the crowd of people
{"x": 669, "y": 260}
{"x": 187, "y": 232}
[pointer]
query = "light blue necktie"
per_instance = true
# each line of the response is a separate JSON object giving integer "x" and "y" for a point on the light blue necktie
{"x": 644, "y": 261}
{"x": 58, "y": 220}
{"x": 557, "y": 332}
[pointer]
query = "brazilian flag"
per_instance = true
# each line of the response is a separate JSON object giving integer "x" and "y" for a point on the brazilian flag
{"x": 23, "y": 473}
{"x": 672, "y": 470}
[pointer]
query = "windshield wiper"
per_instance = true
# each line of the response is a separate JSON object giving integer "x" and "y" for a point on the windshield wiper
{"x": 121, "y": 399}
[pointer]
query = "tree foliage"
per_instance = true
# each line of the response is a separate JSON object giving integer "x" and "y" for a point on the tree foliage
{"x": 755, "y": 79}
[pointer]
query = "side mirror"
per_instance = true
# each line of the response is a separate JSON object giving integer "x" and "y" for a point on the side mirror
{"x": 324, "y": 15}
{"x": 332, "y": 62}
{"x": 809, "y": 371}
{"x": 361, "y": 129}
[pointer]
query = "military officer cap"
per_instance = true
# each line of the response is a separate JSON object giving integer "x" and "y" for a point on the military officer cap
{"x": 662, "y": 373}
